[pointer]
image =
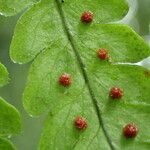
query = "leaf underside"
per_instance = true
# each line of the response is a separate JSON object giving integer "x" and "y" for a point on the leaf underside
{"x": 52, "y": 35}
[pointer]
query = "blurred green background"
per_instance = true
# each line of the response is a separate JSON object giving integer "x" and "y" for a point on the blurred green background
{"x": 138, "y": 18}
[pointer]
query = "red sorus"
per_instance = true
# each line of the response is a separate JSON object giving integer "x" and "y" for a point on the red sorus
{"x": 80, "y": 123}
{"x": 65, "y": 79}
{"x": 87, "y": 17}
{"x": 102, "y": 54}
{"x": 116, "y": 93}
{"x": 130, "y": 130}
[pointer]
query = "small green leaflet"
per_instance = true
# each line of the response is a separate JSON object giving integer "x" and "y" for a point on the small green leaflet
{"x": 10, "y": 122}
{"x": 12, "y": 7}
{"x": 3, "y": 75}
{"x": 52, "y": 35}
{"x": 6, "y": 145}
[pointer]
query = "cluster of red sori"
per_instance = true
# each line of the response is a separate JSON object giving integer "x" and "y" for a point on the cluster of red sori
{"x": 65, "y": 79}
{"x": 103, "y": 54}
{"x": 130, "y": 130}
{"x": 87, "y": 17}
{"x": 116, "y": 93}
{"x": 80, "y": 123}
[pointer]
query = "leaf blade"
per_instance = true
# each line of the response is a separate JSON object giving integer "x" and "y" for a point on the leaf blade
{"x": 9, "y": 8}
{"x": 42, "y": 26}
{"x": 3, "y": 75}
{"x": 41, "y": 94}
{"x": 6, "y": 145}
{"x": 9, "y": 118}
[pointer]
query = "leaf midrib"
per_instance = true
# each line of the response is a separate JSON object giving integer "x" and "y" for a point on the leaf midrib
{"x": 83, "y": 71}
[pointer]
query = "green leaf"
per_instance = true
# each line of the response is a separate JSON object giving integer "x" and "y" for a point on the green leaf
{"x": 9, "y": 119}
{"x": 52, "y": 35}
{"x": 3, "y": 75}
{"x": 9, "y": 7}
{"x": 10, "y": 122}
{"x": 6, "y": 145}
{"x": 41, "y": 25}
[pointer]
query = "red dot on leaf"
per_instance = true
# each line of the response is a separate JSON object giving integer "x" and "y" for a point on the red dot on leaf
{"x": 102, "y": 54}
{"x": 80, "y": 123}
{"x": 65, "y": 79}
{"x": 130, "y": 130}
{"x": 116, "y": 93}
{"x": 87, "y": 17}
